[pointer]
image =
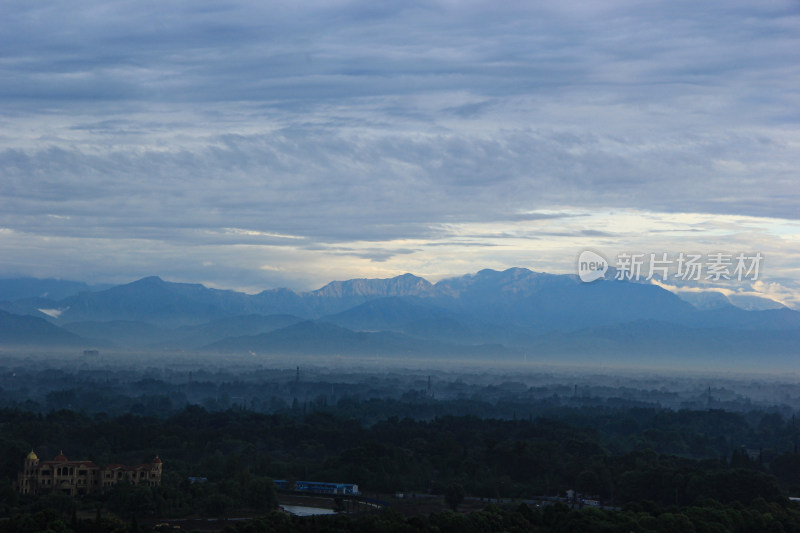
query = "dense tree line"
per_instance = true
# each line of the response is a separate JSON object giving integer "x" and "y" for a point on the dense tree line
{"x": 147, "y": 388}
{"x": 708, "y": 516}
{"x": 239, "y": 451}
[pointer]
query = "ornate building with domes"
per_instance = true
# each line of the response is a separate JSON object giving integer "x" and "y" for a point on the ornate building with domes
{"x": 82, "y": 477}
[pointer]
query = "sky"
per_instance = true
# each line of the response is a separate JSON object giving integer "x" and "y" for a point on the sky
{"x": 252, "y": 145}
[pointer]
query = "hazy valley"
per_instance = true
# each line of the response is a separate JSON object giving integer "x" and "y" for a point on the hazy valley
{"x": 516, "y": 315}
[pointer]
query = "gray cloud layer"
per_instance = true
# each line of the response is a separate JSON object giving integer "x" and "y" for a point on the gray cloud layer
{"x": 365, "y": 121}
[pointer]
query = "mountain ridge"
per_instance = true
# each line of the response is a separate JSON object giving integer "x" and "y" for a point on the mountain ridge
{"x": 505, "y": 312}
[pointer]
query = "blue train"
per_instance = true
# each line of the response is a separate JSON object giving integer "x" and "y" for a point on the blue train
{"x": 319, "y": 487}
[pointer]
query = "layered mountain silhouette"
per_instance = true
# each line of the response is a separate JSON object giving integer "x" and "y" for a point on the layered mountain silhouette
{"x": 54, "y": 289}
{"x": 322, "y": 338}
{"x": 22, "y": 330}
{"x": 513, "y": 313}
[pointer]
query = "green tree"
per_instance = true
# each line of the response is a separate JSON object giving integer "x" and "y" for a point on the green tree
{"x": 261, "y": 494}
{"x": 128, "y": 500}
{"x": 217, "y": 504}
{"x": 454, "y": 494}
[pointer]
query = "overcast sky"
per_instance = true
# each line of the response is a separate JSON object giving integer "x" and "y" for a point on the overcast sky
{"x": 253, "y": 145}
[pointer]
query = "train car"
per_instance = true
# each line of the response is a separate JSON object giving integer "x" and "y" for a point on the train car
{"x": 319, "y": 487}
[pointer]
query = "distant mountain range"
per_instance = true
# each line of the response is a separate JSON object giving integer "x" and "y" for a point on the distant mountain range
{"x": 21, "y": 330}
{"x": 515, "y": 313}
{"x": 54, "y": 289}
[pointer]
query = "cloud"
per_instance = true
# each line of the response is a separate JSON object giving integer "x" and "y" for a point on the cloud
{"x": 755, "y": 295}
{"x": 334, "y": 185}
{"x": 280, "y": 130}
